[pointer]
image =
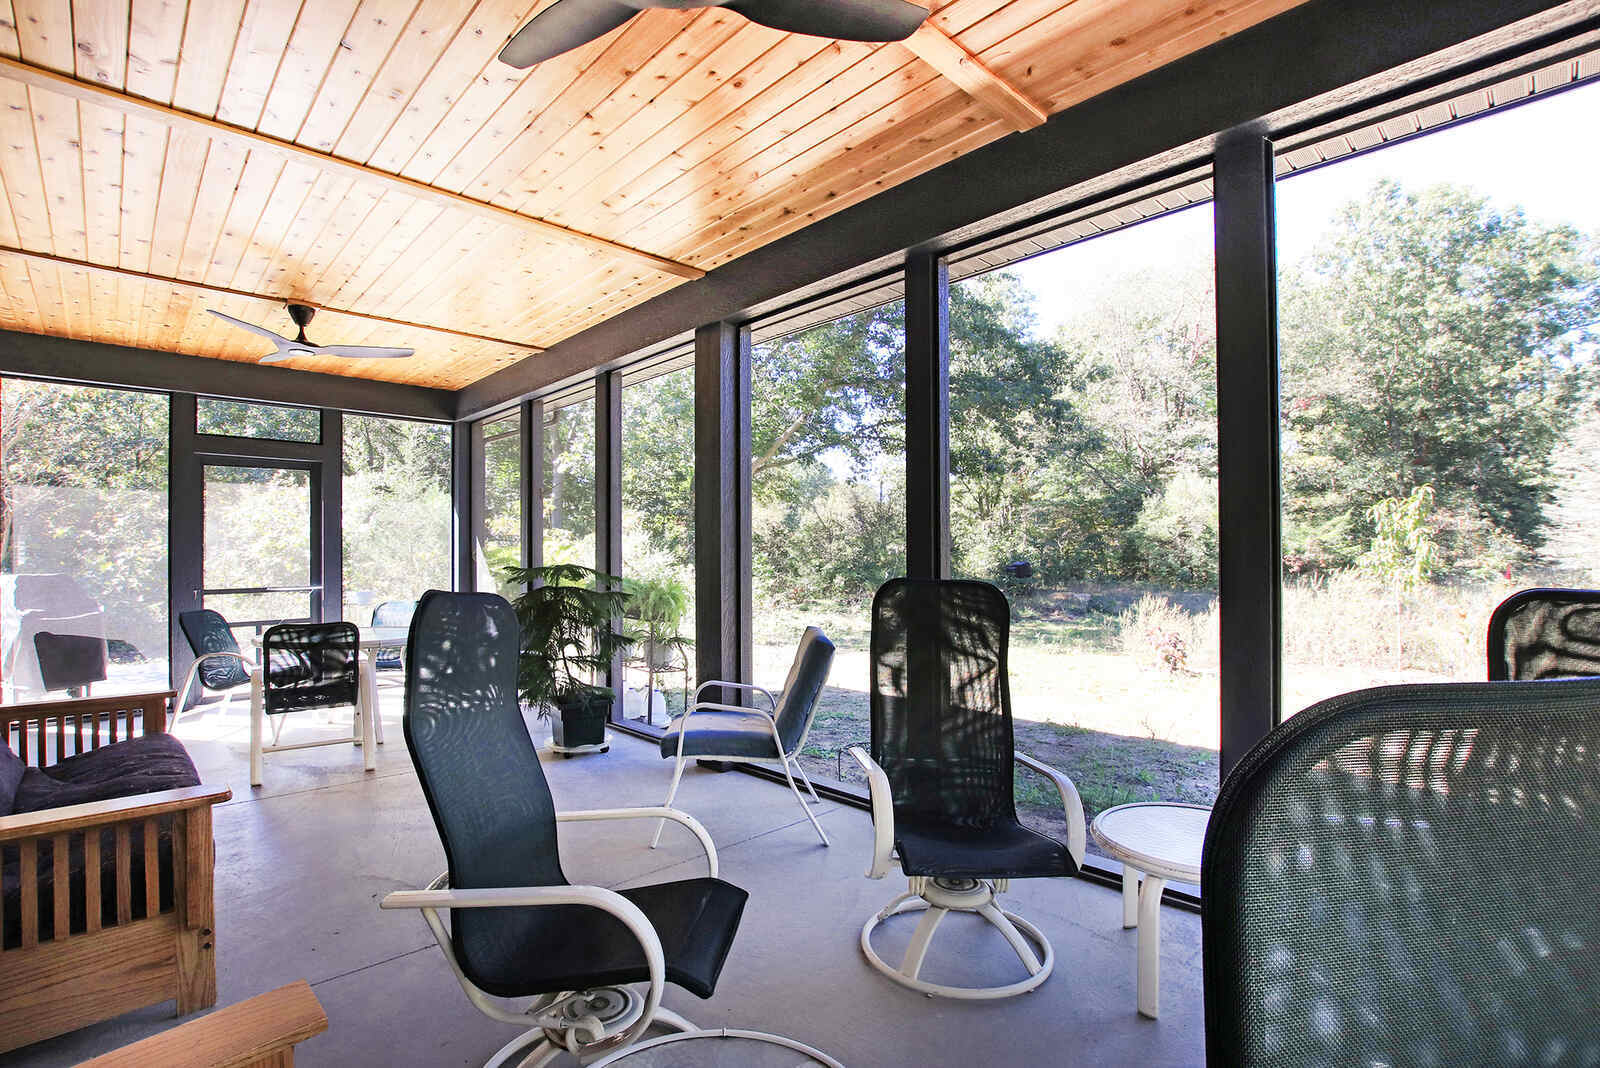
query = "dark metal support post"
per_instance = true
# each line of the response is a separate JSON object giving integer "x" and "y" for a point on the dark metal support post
{"x": 1250, "y": 549}
{"x": 723, "y": 639}
{"x": 532, "y": 483}
{"x": 185, "y": 531}
{"x": 927, "y": 416}
{"x": 330, "y": 524}
{"x": 608, "y": 497}
{"x": 462, "y": 477}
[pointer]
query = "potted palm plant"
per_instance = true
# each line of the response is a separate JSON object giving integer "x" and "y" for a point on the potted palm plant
{"x": 568, "y": 617}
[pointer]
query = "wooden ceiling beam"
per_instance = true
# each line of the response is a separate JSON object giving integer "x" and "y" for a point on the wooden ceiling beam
{"x": 50, "y": 260}
{"x": 945, "y": 55}
{"x": 288, "y": 151}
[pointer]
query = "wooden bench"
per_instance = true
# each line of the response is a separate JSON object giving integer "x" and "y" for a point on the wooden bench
{"x": 259, "y": 1033}
{"x": 59, "y": 979}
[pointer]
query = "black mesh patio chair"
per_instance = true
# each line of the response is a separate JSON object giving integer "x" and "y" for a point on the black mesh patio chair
{"x": 218, "y": 663}
{"x": 1545, "y": 634}
{"x": 1406, "y": 875}
{"x": 517, "y": 928}
{"x": 71, "y": 662}
{"x": 305, "y": 666}
{"x": 941, "y": 775}
{"x": 775, "y": 734}
{"x": 392, "y": 614}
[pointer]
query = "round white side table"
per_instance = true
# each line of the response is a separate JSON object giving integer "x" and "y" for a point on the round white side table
{"x": 1162, "y": 840}
{"x": 720, "y": 1048}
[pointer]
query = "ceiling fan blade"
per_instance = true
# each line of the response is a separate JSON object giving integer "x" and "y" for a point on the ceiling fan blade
{"x": 276, "y": 339}
{"x": 561, "y": 27}
{"x": 843, "y": 20}
{"x": 363, "y": 352}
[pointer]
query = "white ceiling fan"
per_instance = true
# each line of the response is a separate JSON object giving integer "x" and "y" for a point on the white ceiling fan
{"x": 566, "y": 24}
{"x": 286, "y": 348}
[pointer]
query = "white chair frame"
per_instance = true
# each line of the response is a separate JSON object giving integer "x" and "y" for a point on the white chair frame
{"x": 788, "y": 761}
{"x": 366, "y": 726}
{"x": 585, "y": 1023}
{"x": 937, "y": 897}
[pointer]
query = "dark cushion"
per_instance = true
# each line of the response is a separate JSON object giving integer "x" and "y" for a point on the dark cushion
{"x": 716, "y": 733}
{"x": 11, "y": 768}
{"x": 1003, "y": 850}
{"x": 573, "y": 947}
{"x": 140, "y": 765}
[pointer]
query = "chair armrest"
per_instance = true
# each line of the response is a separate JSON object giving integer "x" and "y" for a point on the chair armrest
{"x": 245, "y": 1034}
{"x": 51, "y": 821}
{"x": 609, "y": 901}
{"x": 882, "y": 813}
{"x": 656, "y": 812}
{"x": 1071, "y": 804}
{"x": 773, "y": 704}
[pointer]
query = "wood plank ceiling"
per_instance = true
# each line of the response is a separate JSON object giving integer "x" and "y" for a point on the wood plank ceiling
{"x": 160, "y": 158}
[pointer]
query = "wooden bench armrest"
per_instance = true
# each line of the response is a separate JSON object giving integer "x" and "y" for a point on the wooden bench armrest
{"x": 51, "y": 821}
{"x": 77, "y": 705}
{"x": 247, "y": 1033}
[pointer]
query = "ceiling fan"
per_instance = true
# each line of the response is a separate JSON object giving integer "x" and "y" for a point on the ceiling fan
{"x": 287, "y": 349}
{"x": 566, "y": 24}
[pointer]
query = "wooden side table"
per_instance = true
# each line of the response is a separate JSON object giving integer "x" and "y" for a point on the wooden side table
{"x": 1162, "y": 840}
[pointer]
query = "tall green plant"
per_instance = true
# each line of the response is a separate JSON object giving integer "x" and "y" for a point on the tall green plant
{"x": 568, "y": 617}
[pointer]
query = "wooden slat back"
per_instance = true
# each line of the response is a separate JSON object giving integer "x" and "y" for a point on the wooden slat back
{"x": 28, "y": 728}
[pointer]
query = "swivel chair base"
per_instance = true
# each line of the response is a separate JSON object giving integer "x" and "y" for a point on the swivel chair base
{"x": 937, "y": 898}
{"x": 587, "y": 1024}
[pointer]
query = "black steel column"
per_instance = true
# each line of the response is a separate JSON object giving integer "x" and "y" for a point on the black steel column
{"x": 927, "y": 417}
{"x": 723, "y": 606}
{"x": 608, "y": 497}
{"x": 532, "y": 483}
{"x": 1250, "y": 550}
{"x": 185, "y": 531}
{"x": 462, "y": 492}
{"x": 331, "y": 523}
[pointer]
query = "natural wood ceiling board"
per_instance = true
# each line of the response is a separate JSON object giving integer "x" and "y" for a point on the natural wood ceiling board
{"x": 256, "y": 183}
{"x": 740, "y": 67}
{"x": 453, "y": 244}
{"x": 366, "y": 43}
{"x": 358, "y": 201}
{"x": 628, "y": 50}
{"x": 155, "y": 42}
{"x": 836, "y": 88}
{"x": 661, "y": 89}
{"x": 738, "y": 103}
{"x": 9, "y": 45}
{"x": 280, "y": 215}
{"x": 101, "y": 134}
{"x": 180, "y": 181}
{"x": 399, "y": 238}
{"x": 208, "y": 35}
{"x": 458, "y": 68}
{"x": 968, "y": 73}
{"x": 55, "y": 131}
{"x": 290, "y": 262}
{"x": 224, "y": 164}
{"x": 309, "y": 53}
{"x": 263, "y": 36}
{"x": 44, "y": 29}
{"x": 100, "y": 33}
{"x": 144, "y": 150}
{"x": 363, "y": 238}
{"x": 908, "y": 88}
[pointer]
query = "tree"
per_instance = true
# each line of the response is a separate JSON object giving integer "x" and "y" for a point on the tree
{"x": 1432, "y": 340}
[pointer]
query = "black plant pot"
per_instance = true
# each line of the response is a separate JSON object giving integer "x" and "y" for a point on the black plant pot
{"x": 581, "y": 721}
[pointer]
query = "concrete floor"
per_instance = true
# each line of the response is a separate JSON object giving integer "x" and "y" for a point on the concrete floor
{"x": 303, "y": 861}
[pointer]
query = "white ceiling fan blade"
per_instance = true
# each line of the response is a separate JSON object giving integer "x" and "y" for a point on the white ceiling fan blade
{"x": 276, "y": 339}
{"x": 363, "y": 352}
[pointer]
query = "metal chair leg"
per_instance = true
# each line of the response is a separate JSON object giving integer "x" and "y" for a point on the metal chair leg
{"x": 802, "y": 801}
{"x": 677, "y": 773}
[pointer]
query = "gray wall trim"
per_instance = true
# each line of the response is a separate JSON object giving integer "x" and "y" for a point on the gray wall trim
{"x": 1305, "y": 65}
{"x": 97, "y": 364}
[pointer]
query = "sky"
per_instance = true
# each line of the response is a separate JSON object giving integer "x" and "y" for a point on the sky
{"x": 1541, "y": 156}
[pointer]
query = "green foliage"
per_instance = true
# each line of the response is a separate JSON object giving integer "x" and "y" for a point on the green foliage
{"x": 566, "y": 615}
{"x": 1177, "y": 533}
{"x": 1403, "y": 552}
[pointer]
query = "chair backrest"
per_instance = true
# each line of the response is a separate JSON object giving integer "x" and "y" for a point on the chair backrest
{"x": 394, "y": 614}
{"x": 68, "y": 661}
{"x": 208, "y": 632}
{"x": 1406, "y": 875}
{"x": 941, "y": 705}
{"x": 477, "y": 765}
{"x": 807, "y": 675}
{"x": 310, "y": 665}
{"x": 1545, "y": 634}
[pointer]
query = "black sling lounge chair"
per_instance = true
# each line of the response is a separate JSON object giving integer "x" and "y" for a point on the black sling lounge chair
{"x": 517, "y": 928}
{"x": 1545, "y": 634}
{"x": 1406, "y": 875}
{"x": 941, "y": 775}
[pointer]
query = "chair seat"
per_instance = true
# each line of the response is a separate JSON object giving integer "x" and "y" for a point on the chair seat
{"x": 139, "y": 765}
{"x": 1005, "y": 850}
{"x": 521, "y": 952}
{"x": 718, "y": 733}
